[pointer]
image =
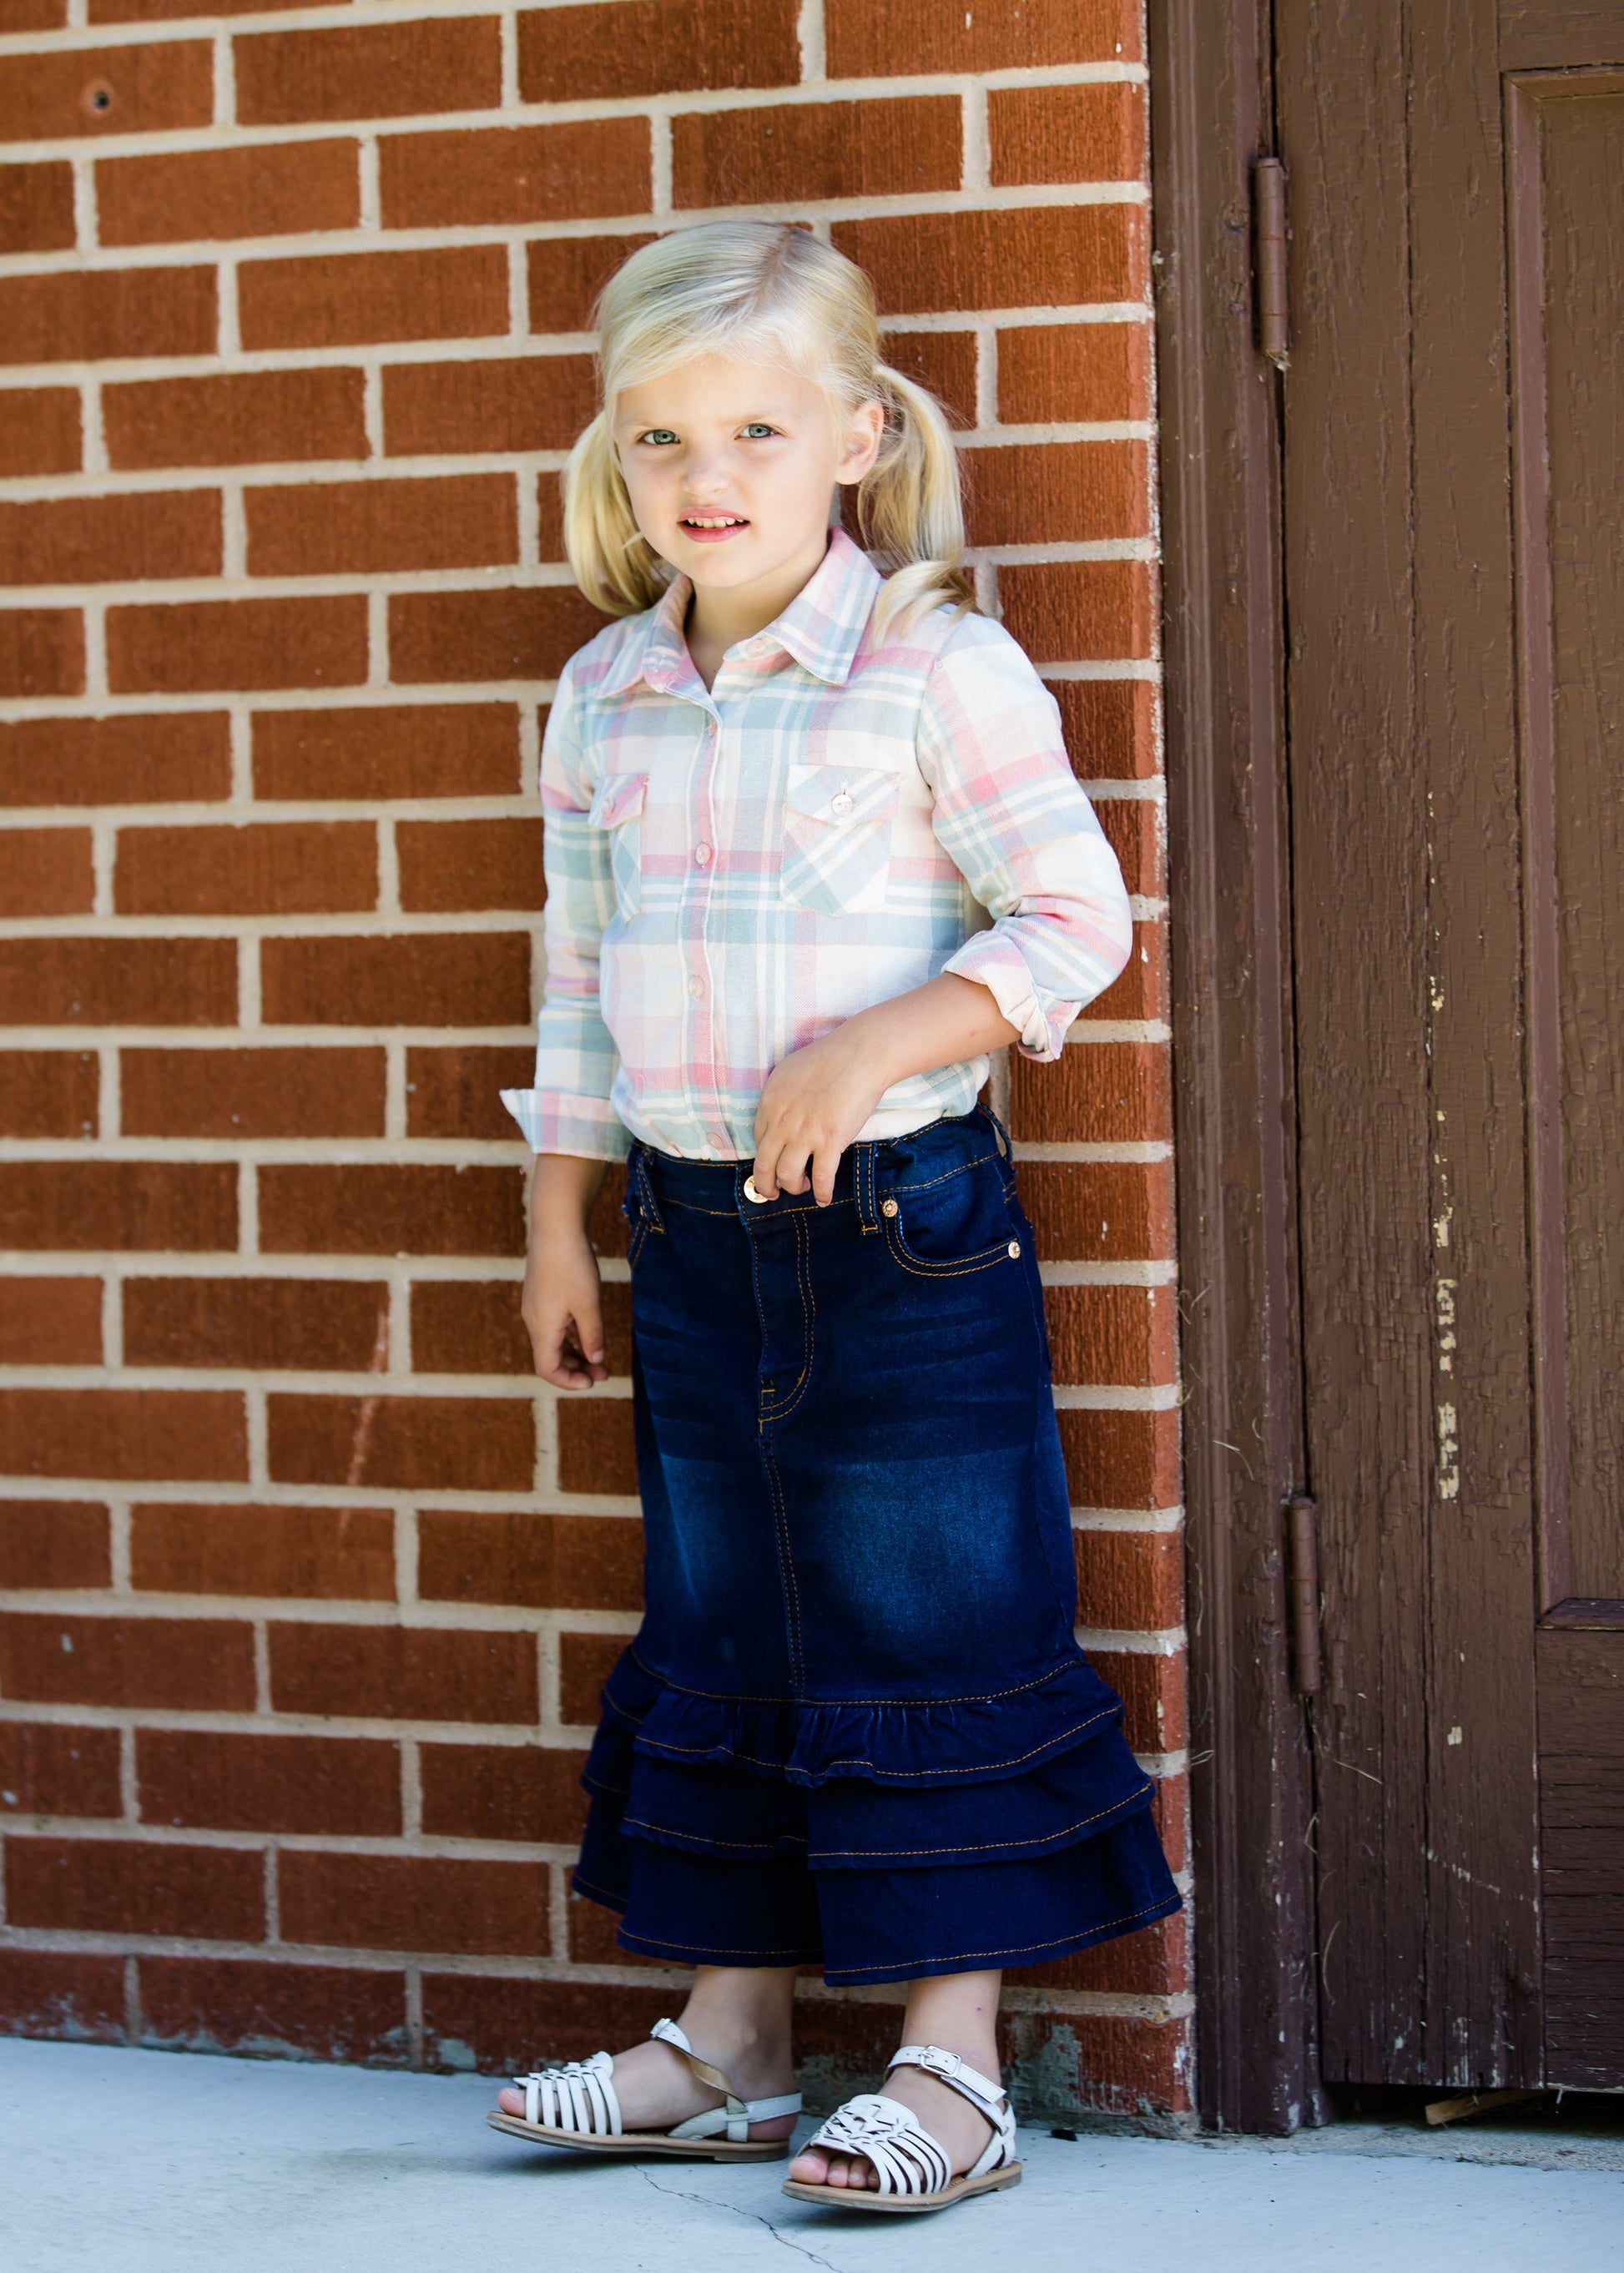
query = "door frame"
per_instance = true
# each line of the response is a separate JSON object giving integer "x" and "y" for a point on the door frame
{"x": 1257, "y": 2054}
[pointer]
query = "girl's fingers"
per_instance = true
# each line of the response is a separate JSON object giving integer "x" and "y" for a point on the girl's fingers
{"x": 825, "y": 1163}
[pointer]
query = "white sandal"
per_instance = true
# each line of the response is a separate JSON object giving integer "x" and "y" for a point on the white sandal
{"x": 574, "y": 2105}
{"x": 912, "y": 2168}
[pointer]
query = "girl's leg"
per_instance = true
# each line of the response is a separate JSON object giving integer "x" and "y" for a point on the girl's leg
{"x": 960, "y": 2012}
{"x": 736, "y": 2017}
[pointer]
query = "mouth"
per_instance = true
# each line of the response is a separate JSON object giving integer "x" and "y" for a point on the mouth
{"x": 712, "y": 527}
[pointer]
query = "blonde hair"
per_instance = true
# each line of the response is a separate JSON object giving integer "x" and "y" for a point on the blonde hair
{"x": 767, "y": 292}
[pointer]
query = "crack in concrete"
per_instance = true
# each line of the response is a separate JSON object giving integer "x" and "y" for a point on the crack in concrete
{"x": 709, "y": 2201}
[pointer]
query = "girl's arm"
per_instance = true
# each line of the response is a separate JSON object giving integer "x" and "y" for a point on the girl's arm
{"x": 562, "y": 1303}
{"x": 816, "y": 1101}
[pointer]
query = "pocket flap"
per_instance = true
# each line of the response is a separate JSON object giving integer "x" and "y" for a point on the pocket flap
{"x": 618, "y": 798}
{"x": 842, "y": 795}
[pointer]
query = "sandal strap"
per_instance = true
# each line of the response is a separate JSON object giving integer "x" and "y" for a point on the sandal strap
{"x": 907, "y": 2159}
{"x": 576, "y": 2095}
{"x": 990, "y": 2099}
{"x": 738, "y": 2115}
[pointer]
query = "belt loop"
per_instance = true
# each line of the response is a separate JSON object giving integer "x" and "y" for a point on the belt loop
{"x": 1001, "y": 1132}
{"x": 862, "y": 1186}
{"x": 645, "y": 1188}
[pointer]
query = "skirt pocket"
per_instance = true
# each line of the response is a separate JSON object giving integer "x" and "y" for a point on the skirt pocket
{"x": 963, "y": 1224}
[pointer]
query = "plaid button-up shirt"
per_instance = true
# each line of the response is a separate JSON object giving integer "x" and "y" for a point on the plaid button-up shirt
{"x": 733, "y": 873}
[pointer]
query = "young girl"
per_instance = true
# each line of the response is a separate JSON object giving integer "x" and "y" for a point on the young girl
{"x": 784, "y": 795}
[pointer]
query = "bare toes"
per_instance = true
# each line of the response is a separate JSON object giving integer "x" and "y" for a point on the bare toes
{"x": 510, "y": 2102}
{"x": 811, "y": 2169}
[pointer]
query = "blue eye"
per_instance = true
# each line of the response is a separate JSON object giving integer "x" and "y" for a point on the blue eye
{"x": 658, "y": 434}
{"x": 758, "y": 431}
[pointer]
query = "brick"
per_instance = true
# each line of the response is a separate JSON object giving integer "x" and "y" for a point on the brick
{"x": 325, "y": 529}
{"x": 135, "y": 1885}
{"x": 36, "y": 210}
{"x": 1099, "y": 1210}
{"x": 1075, "y": 372}
{"x": 550, "y": 544}
{"x": 456, "y": 1091}
{"x": 404, "y": 1444}
{"x": 166, "y": 1665}
{"x": 1094, "y": 1093}
{"x": 1109, "y": 2063}
{"x": 585, "y": 1662}
{"x": 46, "y": 871}
{"x": 49, "y": 1092}
{"x": 1094, "y": 133}
{"x": 1079, "y": 611}
{"x": 596, "y": 1452}
{"x": 507, "y": 403}
{"x": 405, "y": 1673}
{"x": 85, "y": 315}
{"x": 551, "y": 1562}
{"x": 1170, "y": 1811}
{"x": 41, "y": 650}
{"x": 1124, "y": 1335}
{"x": 503, "y": 1791}
{"x": 1140, "y": 991}
{"x": 413, "y": 1902}
{"x": 467, "y": 979}
{"x": 283, "y": 869}
{"x": 107, "y": 981}
{"x": 460, "y": 1325}
{"x": 130, "y": 90}
{"x": 55, "y": 1993}
{"x": 1153, "y": 1962}
{"x": 1154, "y": 1691}
{"x": 196, "y": 645}
{"x": 338, "y": 1785}
{"x": 389, "y": 1208}
{"x": 946, "y": 362}
{"x": 406, "y": 750}
{"x": 1120, "y": 1459}
{"x": 158, "y": 12}
{"x": 592, "y": 1941}
{"x": 40, "y": 432}
{"x": 181, "y": 1436}
{"x": 522, "y": 633}
{"x": 510, "y": 174}
{"x": 653, "y": 47}
{"x": 341, "y": 299}
{"x": 567, "y": 273}
{"x": 53, "y": 1542}
{"x": 505, "y": 2025}
{"x": 1129, "y": 1580}
{"x": 374, "y": 71}
{"x": 310, "y": 1324}
{"x": 147, "y": 760}
{"x": 97, "y": 540}
{"x": 33, "y": 15}
{"x": 1110, "y": 726}
{"x": 129, "y": 1204}
{"x": 287, "y": 188}
{"x": 942, "y": 35}
{"x": 45, "y": 1769}
{"x": 314, "y": 2011}
{"x": 1057, "y": 492}
{"x": 1133, "y": 829}
{"x": 330, "y": 1554}
{"x": 793, "y": 152}
{"x": 251, "y": 417}
{"x": 252, "y": 1092}
{"x": 1053, "y": 256}
{"x": 449, "y": 865}
{"x": 50, "y": 1322}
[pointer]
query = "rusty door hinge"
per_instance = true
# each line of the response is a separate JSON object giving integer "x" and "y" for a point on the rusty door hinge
{"x": 1302, "y": 1582}
{"x": 1268, "y": 251}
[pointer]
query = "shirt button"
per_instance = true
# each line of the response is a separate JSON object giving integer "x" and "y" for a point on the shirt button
{"x": 697, "y": 988}
{"x": 841, "y": 802}
{"x": 702, "y": 853}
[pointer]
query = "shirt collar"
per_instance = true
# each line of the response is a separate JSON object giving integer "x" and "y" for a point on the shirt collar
{"x": 822, "y": 628}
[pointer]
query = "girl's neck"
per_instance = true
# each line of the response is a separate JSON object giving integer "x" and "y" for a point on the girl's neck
{"x": 718, "y": 618}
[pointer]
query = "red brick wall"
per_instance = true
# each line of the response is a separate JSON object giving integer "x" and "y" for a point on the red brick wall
{"x": 308, "y": 1589}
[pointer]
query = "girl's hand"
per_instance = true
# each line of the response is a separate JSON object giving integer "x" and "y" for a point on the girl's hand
{"x": 814, "y": 1102}
{"x": 562, "y": 1302}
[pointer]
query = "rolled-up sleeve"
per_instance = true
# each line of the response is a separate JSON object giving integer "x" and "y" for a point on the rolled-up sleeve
{"x": 567, "y": 1109}
{"x": 1012, "y": 817}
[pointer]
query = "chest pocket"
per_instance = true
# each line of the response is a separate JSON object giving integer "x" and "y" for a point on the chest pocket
{"x": 617, "y": 807}
{"x": 837, "y": 837}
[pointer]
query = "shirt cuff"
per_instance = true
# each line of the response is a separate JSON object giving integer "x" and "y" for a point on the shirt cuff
{"x": 994, "y": 963}
{"x": 552, "y": 1122}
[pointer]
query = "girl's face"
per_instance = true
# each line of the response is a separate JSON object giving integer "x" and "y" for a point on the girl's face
{"x": 731, "y": 468}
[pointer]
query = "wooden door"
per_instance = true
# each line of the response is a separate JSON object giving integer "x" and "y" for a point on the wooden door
{"x": 1454, "y": 464}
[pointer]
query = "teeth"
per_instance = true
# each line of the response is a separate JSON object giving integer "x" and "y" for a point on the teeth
{"x": 714, "y": 521}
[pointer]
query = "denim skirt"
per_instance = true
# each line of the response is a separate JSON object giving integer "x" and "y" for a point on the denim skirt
{"x": 855, "y": 1729}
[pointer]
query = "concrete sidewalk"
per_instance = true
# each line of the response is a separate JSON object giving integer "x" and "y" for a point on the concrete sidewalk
{"x": 134, "y": 2162}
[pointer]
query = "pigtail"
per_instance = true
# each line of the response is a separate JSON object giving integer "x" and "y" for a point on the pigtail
{"x": 613, "y": 564}
{"x": 910, "y": 511}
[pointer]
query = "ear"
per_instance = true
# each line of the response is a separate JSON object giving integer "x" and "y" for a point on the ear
{"x": 860, "y": 445}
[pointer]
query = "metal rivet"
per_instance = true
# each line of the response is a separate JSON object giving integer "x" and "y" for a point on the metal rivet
{"x": 1015, "y": 1247}
{"x": 750, "y": 1192}
{"x": 888, "y": 1207}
